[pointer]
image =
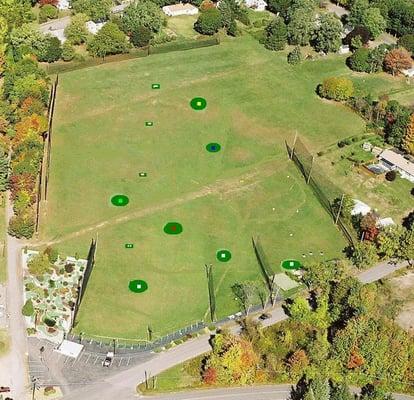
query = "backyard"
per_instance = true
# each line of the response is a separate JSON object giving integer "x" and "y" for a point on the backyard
{"x": 255, "y": 101}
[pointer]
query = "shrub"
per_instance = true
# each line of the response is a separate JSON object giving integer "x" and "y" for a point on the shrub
{"x": 31, "y": 331}
{"x": 295, "y": 56}
{"x": 341, "y": 144}
{"x": 209, "y": 22}
{"x": 39, "y": 265}
{"x": 276, "y": 34}
{"x": 68, "y": 51}
{"x": 407, "y": 41}
{"x": 69, "y": 268}
{"x": 49, "y": 322}
{"x": 360, "y": 31}
{"x": 51, "y": 51}
{"x": 141, "y": 36}
{"x": 22, "y": 201}
{"x": 412, "y": 191}
{"x": 48, "y": 12}
{"x": 336, "y": 88}
{"x": 28, "y": 309}
{"x": 232, "y": 28}
{"x": 22, "y": 226}
{"x": 391, "y": 176}
{"x": 49, "y": 390}
{"x": 52, "y": 254}
{"x": 358, "y": 61}
{"x": 76, "y": 31}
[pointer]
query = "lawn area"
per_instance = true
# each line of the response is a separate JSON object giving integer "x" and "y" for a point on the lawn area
{"x": 183, "y": 26}
{"x": 100, "y": 144}
{"x": 392, "y": 199}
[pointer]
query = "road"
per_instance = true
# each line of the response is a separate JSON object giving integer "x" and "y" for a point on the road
{"x": 122, "y": 385}
{"x": 15, "y": 362}
{"x": 271, "y": 392}
{"x": 380, "y": 271}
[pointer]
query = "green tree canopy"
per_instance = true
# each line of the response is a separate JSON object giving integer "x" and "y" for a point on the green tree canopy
{"x": 96, "y": 10}
{"x": 76, "y": 31}
{"x": 328, "y": 34}
{"x": 302, "y": 26}
{"x": 209, "y": 22}
{"x": 142, "y": 13}
{"x": 109, "y": 40}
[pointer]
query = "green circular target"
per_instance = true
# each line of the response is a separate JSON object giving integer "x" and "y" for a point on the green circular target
{"x": 119, "y": 200}
{"x": 198, "y": 103}
{"x": 223, "y": 255}
{"x": 138, "y": 286}
{"x": 173, "y": 228}
{"x": 291, "y": 264}
{"x": 213, "y": 147}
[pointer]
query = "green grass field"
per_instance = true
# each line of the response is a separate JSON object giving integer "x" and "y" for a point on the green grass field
{"x": 100, "y": 144}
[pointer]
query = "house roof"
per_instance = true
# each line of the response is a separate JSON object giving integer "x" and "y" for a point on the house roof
{"x": 398, "y": 160}
{"x": 180, "y": 7}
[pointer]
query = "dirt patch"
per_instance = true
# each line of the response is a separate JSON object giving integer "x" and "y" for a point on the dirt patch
{"x": 403, "y": 288}
{"x": 240, "y": 155}
{"x": 252, "y": 128}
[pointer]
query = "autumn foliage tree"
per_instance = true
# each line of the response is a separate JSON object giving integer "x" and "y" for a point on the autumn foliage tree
{"x": 408, "y": 141}
{"x": 397, "y": 60}
{"x": 232, "y": 361}
{"x": 50, "y": 2}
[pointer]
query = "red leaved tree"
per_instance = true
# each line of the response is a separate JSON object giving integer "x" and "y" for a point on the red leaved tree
{"x": 397, "y": 60}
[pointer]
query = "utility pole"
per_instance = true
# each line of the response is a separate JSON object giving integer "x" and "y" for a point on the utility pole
{"x": 294, "y": 144}
{"x": 310, "y": 171}
{"x": 340, "y": 209}
{"x": 149, "y": 330}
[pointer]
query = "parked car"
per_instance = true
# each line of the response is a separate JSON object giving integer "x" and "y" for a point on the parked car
{"x": 108, "y": 359}
{"x": 4, "y": 389}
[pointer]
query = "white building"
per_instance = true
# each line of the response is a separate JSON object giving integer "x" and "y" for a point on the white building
{"x": 180, "y": 9}
{"x": 395, "y": 161}
{"x": 63, "y": 4}
{"x": 256, "y": 5}
{"x": 94, "y": 27}
{"x": 360, "y": 208}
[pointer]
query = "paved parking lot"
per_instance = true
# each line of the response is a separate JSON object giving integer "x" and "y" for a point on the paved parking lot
{"x": 52, "y": 368}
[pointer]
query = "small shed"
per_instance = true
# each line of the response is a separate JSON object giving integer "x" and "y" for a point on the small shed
{"x": 63, "y": 5}
{"x": 409, "y": 73}
{"x": 94, "y": 27}
{"x": 70, "y": 349}
{"x": 256, "y": 5}
{"x": 360, "y": 208}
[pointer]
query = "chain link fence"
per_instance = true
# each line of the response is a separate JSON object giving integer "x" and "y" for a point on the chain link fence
{"x": 181, "y": 45}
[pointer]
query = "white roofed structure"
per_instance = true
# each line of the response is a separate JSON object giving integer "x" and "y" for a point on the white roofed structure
{"x": 70, "y": 349}
{"x": 360, "y": 208}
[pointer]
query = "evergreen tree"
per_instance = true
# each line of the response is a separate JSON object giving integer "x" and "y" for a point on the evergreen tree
{"x": 295, "y": 56}
{"x": 341, "y": 392}
{"x": 320, "y": 388}
{"x": 328, "y": 35}
{"x": 4, "y": 171}
{"x": 276, "y": 34}
{"x": 302, "y": 26}
{"x": 309, "y": 395}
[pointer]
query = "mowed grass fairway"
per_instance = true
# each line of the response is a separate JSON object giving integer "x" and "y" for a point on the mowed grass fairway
{"x": 100, "y": 144}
